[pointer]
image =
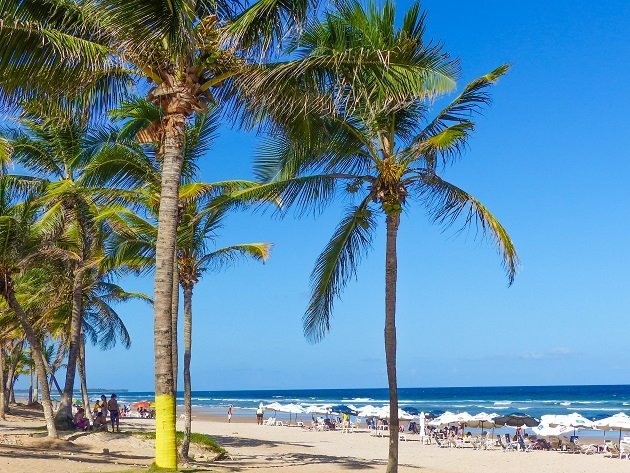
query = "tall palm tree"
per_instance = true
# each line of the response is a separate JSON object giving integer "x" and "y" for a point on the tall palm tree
{"x": 56, "y": 147}
{"x": 18, "y": 255}
{"x": 197, "y": 227}
{"x": 186, "y": 51}
{"x": 180, "y": 50}
{"x": 382, "y": 151}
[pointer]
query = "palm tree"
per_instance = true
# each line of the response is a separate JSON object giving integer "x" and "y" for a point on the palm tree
{"x": 21, "y": 245}
{"x": 197, "y": 227}
{"x": 383, "y": 151}
{"x": 57, "y": 147}
{"x": 181, "y": 51}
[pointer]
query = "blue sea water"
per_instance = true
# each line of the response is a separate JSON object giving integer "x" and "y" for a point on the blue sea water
{"x": 590, "y": 401}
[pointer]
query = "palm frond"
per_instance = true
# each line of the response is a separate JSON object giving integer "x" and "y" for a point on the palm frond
{"x": 448, "y": 204}
{"x": 230, "y": 254}
{"x": 335, "y": 266}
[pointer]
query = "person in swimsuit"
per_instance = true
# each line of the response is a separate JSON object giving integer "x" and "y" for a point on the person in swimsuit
{"x": 230, "y": 413}
{"x": 112, "y": 407}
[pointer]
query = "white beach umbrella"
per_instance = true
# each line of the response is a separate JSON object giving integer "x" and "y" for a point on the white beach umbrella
{"x": 369, "y": 411}
{"x": 315, "y": 409}
{"x": 438, "y": 421}
{"x": 620, "y": 422}
{"x": 450, "y": 418}
{"x": 274, "y": 406}
{"x": 482, "y": 420}
{"x": 573, "y": 420}
{"x": 544, "y": 430}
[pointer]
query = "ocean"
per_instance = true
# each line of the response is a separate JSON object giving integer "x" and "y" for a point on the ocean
{"x": 590, "y": 401}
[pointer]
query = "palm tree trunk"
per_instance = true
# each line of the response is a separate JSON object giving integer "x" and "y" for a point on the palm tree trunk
{"x": 391, "y": 275}
{"x": 38, "y": 357}
{"x": 64, "y": 413}
{"x": 83, "y": 381}
{"x": 174, "y": 317}
{"x": 173, "y": 143}
{"x": 3, "y": 400}
{"x": 188, "y": 292}
{"x": 36, "y": 389}
{"x": 30, "y": 386}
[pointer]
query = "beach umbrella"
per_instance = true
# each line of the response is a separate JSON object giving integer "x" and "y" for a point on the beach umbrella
{"x": 545, "y": 430}
{"x": 343, "y": 409}
{"x": 435, "y": 413}
{"x": 451, "y": 418}
{"x": 274, "y": 406}
{"x": 620, "y": 422}
{"x": 314, "y": 409}
{"x": 516, "y": 419}
{"x": 139, "y": 404}
{"x": 482, "y": 419}
{"x": 369, "y": 411}
{"x": 574, "y": 420}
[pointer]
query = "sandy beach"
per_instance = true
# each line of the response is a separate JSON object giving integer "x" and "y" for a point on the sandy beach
{"x": 266, "y": 449}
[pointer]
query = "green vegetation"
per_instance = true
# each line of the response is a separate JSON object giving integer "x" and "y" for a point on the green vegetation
{"x": 341, "y": 90}
{"x": 202, "y": 440}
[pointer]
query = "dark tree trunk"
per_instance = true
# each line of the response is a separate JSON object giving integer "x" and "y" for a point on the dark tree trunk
{"x": 38, "y": 358}
{"x": 188, "y": 293}
{"x": 3, "y": 399}
{"x": 64, "y": 413}
{"x": 391, "y": 275}
{"x": 174, "y": 317}
{"x": 173, "y": 144}
{"x": 83, "y": 381}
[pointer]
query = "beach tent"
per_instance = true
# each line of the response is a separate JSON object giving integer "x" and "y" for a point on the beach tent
{"x": 620, "y": 422}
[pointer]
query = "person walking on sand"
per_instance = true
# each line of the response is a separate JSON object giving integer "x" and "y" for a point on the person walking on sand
{"x": 259, "y": 414}
{"x": 112, "y": 407}
{"x": 230, "y": 413}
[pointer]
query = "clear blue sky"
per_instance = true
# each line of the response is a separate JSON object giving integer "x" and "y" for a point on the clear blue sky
{"x": 550, "y": 158}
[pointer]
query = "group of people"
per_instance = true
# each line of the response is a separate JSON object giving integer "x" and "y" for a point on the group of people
{"x": 102, "y": 408}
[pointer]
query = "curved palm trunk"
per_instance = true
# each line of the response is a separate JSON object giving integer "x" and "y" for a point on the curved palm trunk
{"x": 83, "y": 381}
{"x": 174, "y": 317}
{"x": 38, "y": 358}
{"x": 165, "y": 443}
{"x": 64, "y": 413}
{"x": 188, "y": 292}
{"x": 391, "y": 275}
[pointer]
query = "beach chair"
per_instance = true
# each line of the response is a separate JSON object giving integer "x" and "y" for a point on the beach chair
{"x": 270, "y": 421}
{"x": 440, "y": 443}
{"x": 510, "y": 446}
{"x": 613, "y": 450}
{"x": 523, "y": 446}
{"x": 624, "y": 450}
{"x": 555, "y": 443}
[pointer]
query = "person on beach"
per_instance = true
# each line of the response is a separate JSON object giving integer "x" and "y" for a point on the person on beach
{"x": 230, "y": 413}
{"x": 80, "y": 421}
{"x": 112, "y": 407}
{"x": 259, "y": 414}
{"x": 101, "y": 407}
{"x": 100, "y": 422}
